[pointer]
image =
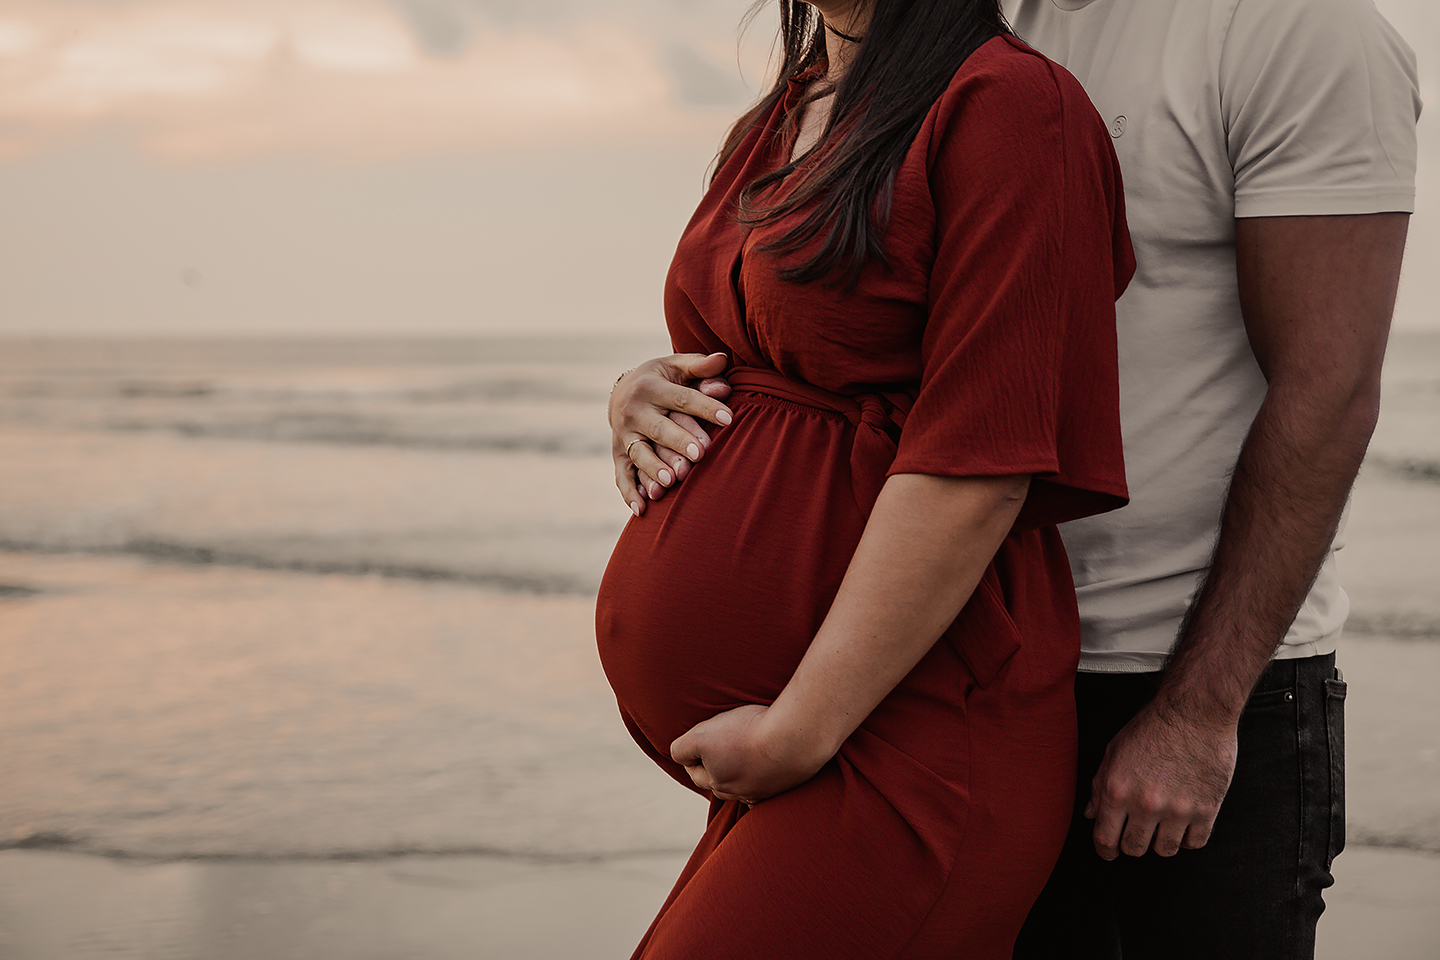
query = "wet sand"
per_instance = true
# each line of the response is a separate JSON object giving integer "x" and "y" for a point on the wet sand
{"x": 417, "y": 908}
{"x": 485, "y": 908}
{"x": 56, "y": 906}
{"x": 155, "y": 710}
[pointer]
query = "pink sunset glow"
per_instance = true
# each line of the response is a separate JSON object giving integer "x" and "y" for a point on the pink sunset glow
{"x": 234, "y": 78}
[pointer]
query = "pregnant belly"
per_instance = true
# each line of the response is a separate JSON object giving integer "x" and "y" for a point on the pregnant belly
{"x": 711, "y": 599}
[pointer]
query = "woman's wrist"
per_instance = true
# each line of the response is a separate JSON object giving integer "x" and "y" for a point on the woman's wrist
{"x": 799, "y": 738}
{"x": 617, "y": 383}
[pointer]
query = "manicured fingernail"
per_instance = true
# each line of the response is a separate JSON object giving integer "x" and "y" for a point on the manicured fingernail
{"x": 724, "y": 417}
{"x": 665, "y": 478}
{"x": 635, "y": 508}
{"x": 693, "y": 451}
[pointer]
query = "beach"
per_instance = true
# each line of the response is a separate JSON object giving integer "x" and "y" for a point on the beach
{"x": 297, "y": 658}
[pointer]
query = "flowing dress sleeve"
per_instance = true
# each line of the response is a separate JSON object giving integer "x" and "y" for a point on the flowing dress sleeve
{"x": 1019, "y": 367}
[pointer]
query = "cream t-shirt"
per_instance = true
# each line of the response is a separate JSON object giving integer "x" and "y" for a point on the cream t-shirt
{"x": 1219, "y": 109}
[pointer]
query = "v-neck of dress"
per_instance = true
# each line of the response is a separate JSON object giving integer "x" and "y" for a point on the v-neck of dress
{"x": 776, "y": 152}
{"x": 793, "y": 95}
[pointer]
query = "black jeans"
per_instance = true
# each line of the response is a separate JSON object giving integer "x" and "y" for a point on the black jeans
{"x": 1254, "y": 890}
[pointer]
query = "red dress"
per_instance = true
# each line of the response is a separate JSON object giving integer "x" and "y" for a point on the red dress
{"x": 991, "y": 339}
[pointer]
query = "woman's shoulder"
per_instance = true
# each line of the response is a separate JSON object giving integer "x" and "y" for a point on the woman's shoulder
{"x": 1007, "y": 86}
{"x": 1007, "y": 61}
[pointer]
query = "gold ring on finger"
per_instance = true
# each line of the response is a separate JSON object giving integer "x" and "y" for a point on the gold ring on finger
{"x": 629, "y": 446}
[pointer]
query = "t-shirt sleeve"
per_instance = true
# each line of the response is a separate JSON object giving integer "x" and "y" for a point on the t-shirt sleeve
{"x": 1019, "y": 370}
{"x": 1320, "y": 100}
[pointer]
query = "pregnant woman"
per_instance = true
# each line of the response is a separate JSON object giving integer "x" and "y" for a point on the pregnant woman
{"x": 852, "y": 626}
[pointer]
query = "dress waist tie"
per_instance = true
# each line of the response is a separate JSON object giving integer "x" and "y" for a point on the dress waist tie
{"x": 877, "y": 418}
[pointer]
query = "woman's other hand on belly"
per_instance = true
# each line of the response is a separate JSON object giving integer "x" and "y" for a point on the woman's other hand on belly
{"x": 738, "y": 755}
{"x": 655, "y": 413}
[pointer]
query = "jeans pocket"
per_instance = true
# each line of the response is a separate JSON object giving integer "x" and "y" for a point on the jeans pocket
{"x": 1277, "y": 702}
{"x": 1335, "y": 736}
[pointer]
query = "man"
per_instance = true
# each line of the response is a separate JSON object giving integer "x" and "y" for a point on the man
{"x": 1269, "y": 154}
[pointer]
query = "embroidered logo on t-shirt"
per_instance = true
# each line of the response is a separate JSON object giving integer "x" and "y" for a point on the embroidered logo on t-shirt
{"x": 1117, "y": 127}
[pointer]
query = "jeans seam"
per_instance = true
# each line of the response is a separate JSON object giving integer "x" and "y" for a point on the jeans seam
{"x": 1334, "y": 704}
{"x": 1302, "y": 757}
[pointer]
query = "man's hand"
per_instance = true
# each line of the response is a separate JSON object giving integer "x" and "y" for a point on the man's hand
{"x": 737, "y": 756}
{"x": 655, "y": 417}
{"x": 1161, "y": 784}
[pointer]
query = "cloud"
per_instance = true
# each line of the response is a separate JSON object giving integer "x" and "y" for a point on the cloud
{"x": 17, "y": 37}
{"x": 332, "y": 40}
{"x": 176, "y": 55}
{"x": 356, "y": 78}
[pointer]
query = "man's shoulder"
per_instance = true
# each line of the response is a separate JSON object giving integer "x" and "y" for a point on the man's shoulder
{"x": 1314, "y": 28}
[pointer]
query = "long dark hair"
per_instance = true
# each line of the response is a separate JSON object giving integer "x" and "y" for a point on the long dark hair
{"x": 906, "y": 59}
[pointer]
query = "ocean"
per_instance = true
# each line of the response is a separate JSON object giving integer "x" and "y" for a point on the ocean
{"x": 332, "y": 598}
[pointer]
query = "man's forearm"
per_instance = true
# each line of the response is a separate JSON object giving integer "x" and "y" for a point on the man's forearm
{"x": 1317, "y": 295}
{"x": 1288, "y": 492}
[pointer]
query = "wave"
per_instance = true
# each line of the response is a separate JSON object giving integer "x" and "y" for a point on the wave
{"x": 74, "y": 843}
{"x": 1393, "y": 626}
{"x": 529, "y": 390}
{"x": 183, "y": 554}
{"x": 346, "y": 432}
{"x": 1360, "y": 835}
{"x": 1407, "y": 468}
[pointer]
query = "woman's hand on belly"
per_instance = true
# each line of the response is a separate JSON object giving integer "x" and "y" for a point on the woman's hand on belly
{"x": 737, "y": 755}
{"x": 655, "y": 412}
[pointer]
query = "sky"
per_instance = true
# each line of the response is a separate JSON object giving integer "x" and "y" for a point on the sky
{"x": 433, "y": 167}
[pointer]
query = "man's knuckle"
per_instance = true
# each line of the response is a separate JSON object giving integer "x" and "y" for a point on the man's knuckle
{"x": 1149, "y": 802}
{"x": 1122, "y": 787}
